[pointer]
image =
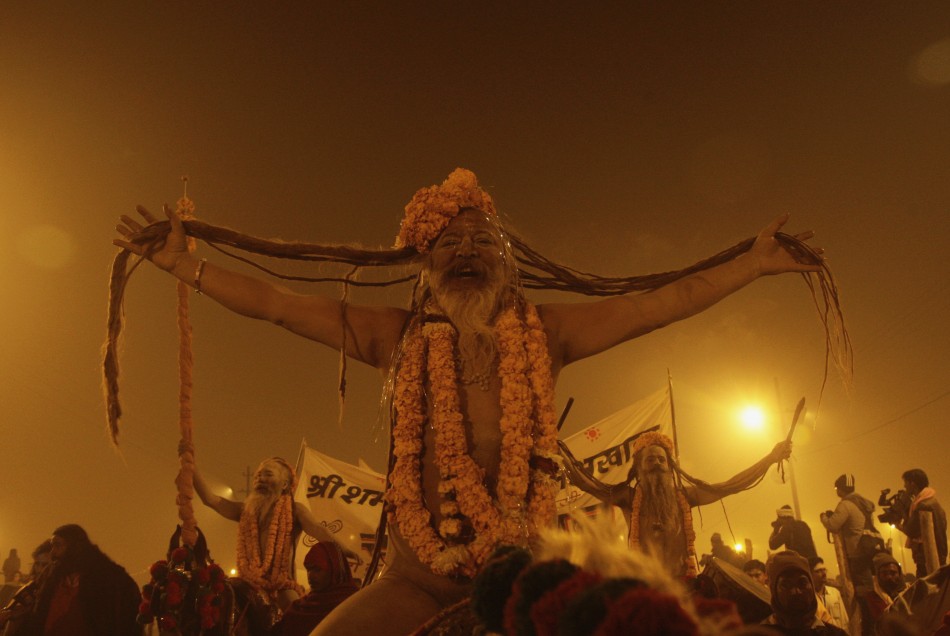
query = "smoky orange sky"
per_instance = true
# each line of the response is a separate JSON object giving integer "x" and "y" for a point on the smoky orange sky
{"x": 619, "y": 138}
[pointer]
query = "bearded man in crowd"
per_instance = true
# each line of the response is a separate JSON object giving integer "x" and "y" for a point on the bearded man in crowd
{"x": 888, "y": 583}
{"x": 269, "y": 524}
{"x": 657, "y": 497}
{"x": 83, "y": 592}
{"x": 473, "y": 365}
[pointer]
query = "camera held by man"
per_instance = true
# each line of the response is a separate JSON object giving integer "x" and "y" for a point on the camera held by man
{"x": 896, "y": 507}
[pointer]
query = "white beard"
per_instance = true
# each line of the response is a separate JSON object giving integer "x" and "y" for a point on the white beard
{"x": 260, "y": 505}
{"x": 471, "y": 312}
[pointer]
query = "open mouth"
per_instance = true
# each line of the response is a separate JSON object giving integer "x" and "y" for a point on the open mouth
{"x": 466, "y": 270}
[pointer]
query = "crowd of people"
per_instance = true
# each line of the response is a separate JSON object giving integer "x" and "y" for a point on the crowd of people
{"x": 475, "y": 460}
{"x": 571, "y": 583}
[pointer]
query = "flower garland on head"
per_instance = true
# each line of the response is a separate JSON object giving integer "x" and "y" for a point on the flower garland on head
{"x": 430, "y": 209}
{"x": 271, "y": 571}
{"x": 655, "y": 438}
{"x": 474, "y": 522}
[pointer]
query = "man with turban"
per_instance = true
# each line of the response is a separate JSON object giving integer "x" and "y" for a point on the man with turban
{"x": 473, "y": 366}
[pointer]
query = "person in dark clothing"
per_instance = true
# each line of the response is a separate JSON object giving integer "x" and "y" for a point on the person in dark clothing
{"x": 23, "y": 601}
{"x": 83, "y": 592}
{"x": 923, "y": 499}
{"x": 11, "y": 566}
{"x": 331, "y": 583}
{"x": 792, "y": 533}
{"x": 724, "y": 552}
{"x": 794, "y": 604}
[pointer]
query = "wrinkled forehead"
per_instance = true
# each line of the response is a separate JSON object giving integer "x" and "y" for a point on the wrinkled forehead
{"x": 269, "y": 466}
{"x": 471, "y": 220}
{"x": 654, "y": 451}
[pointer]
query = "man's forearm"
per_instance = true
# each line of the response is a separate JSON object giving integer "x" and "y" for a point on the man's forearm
{"x": 699, "y": 291}
{"x": 311, "y": 525}
{"x": 242, "y": 294}
{"x": 203, "y": 491}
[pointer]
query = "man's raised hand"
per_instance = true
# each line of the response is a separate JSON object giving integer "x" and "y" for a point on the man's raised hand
{"x": 771, "y": 257}
{"x": 164, "y": 252}
{"x": 782, "y": 450}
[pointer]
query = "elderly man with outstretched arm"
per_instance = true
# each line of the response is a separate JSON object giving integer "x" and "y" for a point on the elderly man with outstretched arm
{"x": 657, "y": 497}
{"x": 269, "y": 522}
{"x": 474, "y": 427}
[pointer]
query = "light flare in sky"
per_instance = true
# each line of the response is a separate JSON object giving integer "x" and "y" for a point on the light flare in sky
{"x": 752, "y": 418}
{"x": 932, "y": 66}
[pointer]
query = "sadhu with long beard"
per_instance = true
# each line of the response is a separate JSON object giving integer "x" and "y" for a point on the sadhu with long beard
{"x": 473, "y": 364}
{"x": 657, "y": 497}
{"x": 269, "y": 524}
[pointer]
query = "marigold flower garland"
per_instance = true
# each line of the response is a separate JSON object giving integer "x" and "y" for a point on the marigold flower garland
{"x": 430, "y": 209}
{"x": 474, "y": 522}
{"x": 655, "y": 438}
{"x": 269, "y": 572}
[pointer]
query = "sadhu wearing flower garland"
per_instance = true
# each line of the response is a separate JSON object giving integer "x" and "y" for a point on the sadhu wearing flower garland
{"x": 269, "y": 524}
{"x": 473, "y": 366}
{"x": 657, "y": 506}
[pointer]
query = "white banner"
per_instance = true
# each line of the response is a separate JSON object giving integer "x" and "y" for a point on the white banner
{"x": 347, "y": 499}
{"x": 604, "y": 447}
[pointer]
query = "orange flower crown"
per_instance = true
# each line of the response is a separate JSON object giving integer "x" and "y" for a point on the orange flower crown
{"x": 430, "y": 209}
{"x": 653, "y": 438}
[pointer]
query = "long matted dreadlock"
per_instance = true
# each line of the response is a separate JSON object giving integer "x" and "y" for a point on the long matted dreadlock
{"x": 535, "y": 271}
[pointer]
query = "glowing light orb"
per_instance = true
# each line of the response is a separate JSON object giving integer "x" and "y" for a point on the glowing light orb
{"x": 753, "y": 418}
